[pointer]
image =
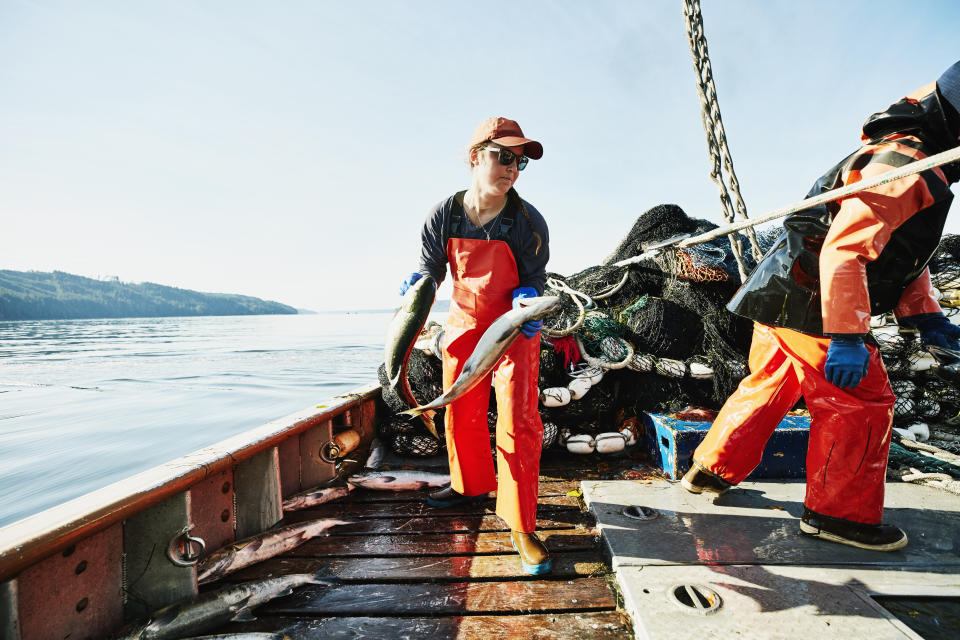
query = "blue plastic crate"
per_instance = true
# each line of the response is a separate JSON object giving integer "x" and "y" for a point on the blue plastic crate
{"x": 671, "y": 443}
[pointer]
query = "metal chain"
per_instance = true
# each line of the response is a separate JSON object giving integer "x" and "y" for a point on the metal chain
{"x": 716, "y": 137}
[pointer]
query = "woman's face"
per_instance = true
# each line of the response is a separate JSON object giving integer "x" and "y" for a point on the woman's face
{"x": 489, "y": 174}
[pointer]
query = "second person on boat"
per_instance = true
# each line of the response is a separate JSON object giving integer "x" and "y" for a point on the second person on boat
{"x": 497, "y": 247}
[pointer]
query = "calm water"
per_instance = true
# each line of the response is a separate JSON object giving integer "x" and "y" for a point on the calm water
{"x": 84, "y": 403}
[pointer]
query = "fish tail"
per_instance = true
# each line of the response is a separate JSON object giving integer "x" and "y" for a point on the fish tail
{"x": 323, "y": 575}
{"x": 416, "y": 411}
{"x": 427, "y": 417}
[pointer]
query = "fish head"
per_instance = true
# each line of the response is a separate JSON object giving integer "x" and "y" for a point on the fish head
{"x": 539, "y": 306}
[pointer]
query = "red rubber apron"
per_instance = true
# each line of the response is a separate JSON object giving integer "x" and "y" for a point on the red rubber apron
{"x": 849, "y": 428}
{"x": 484, "y": 277}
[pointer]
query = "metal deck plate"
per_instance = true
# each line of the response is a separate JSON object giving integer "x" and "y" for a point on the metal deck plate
{"x": 773, "y": 581}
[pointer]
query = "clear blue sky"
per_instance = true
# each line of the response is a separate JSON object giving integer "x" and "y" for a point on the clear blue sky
{"x": 291, "y": 150}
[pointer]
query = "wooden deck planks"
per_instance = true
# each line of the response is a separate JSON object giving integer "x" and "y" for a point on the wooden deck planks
{"x": 432, "y": 568}
{"x": 554, "y": 487}
{"x": 406, "y": 509}
{"x": 566, "y": 519}
{"x": 407, "y": 570}
{"x": 447, "y": 599}
{"x": 432, "y": 544}
{"x": 571, "y": 626}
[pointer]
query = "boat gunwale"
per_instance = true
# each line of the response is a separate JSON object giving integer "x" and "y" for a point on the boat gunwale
{"x": 31, "y": 539}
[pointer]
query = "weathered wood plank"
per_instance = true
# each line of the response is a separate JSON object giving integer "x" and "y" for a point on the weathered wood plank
{"x": 571, "y": 626}
{"x": 438, "y": 568}
{"x": 547, "y": 488}
{"x": 432, "y": 544}
{"x": 342, "y": 509}
{"x": 450, "y": 598}
{"x": 566, "y": 519}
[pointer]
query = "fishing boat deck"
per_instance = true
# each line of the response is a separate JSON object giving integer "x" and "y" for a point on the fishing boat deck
{"x": 407, "y": 570}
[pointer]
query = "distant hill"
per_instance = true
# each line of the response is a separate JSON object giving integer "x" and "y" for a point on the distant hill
{"x": 34, "y": 295}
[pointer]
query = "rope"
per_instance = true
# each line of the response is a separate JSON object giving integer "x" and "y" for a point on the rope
{"x": 716, "y": 136}
{"x": 559, "y": 285}
{"x": 615, "y": 288}
{"x": 919, "y": 166}
{"x": 598, "y": 362}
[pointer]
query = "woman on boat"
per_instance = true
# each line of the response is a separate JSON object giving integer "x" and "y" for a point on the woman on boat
{"x": 811, "y": 299}
{"x": 496, "y": 245}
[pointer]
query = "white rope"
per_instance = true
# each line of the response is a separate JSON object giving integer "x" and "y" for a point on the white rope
{"x": 930, "y": 162}
{"x": 614, "y": 289}
{"x": 559, "y": 285}
{"x": 598, "y": 362}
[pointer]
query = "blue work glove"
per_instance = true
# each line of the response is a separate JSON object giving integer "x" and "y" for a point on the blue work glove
{"x": 529, "y": 328}
{"x": 847, "y": 361}
{"x": 935, "y": 330}
{"x": 409, "y": 282}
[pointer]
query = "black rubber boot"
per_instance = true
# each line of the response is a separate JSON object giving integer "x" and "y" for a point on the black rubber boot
{"x": 698, "y": 480}
{"x": 878, "y": 537}
{"x": 448, "y": 497}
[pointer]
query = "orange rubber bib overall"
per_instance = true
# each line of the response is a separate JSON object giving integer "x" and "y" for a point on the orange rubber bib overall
{"x": 484, "y": 277}
{"x": 849, "y": 428}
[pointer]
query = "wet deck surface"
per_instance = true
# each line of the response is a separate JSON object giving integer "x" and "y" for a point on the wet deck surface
{"x": 773, "y": 582}
{"x": 407, "y": 570}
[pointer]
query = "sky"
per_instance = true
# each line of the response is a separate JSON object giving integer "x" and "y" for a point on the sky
{"x": 292, "y": 150}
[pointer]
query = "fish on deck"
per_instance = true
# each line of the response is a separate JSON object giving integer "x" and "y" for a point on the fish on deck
{"x": 490, "y": 348}
{"x": 263, "y": 546}
{"x": 211, "y": 610}
{"x": 314, "y": 497}
{"x": 399, "y": 480}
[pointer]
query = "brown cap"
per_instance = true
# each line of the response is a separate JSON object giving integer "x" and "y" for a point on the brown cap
{"x": 507, "y": 133}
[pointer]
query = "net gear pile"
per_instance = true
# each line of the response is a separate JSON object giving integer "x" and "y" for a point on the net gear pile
{"x": 660, "y": 331}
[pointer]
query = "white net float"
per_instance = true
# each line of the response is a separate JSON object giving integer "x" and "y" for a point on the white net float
{"x": 555, "y": 396}
{"x": 594, "y": 375}
{"x": 642, "y": 362}
{"x": 671, "y": 368}
{"x": 629, "y": 437}
{"x": 578, "y": 387}
{"x": 550, "y": 433}
{"x": 609, "y": 442}
{"x": 581, "y": 443}
{"x": 700, "y": 371}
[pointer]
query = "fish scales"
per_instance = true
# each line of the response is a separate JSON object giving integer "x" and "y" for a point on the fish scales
{"x": 402, "y": 334}
{"x": 490, "y": 348}
{"x": 315, "y": 497}
{"x": 211, "y": 610}
{"x": 260, "y": 547}
{"x": 399, "y": 480}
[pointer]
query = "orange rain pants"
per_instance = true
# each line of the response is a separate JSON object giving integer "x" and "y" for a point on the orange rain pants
{"x": 484, "y": 277}
{"x": 849, "y": 428}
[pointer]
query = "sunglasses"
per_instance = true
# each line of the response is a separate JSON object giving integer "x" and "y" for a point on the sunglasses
{"x": 507, "y": 157}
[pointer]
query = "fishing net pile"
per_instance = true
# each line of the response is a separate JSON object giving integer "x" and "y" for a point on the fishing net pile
{"x": 655, "y": 336}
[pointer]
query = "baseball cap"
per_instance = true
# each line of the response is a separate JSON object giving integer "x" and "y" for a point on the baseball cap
{"x": 507, "y": 133}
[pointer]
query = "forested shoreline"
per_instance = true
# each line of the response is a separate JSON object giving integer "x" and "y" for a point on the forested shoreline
{"x": 35, "y": 295}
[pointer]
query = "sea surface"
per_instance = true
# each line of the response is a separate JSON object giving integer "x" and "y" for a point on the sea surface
{"x": 85, "y": 403}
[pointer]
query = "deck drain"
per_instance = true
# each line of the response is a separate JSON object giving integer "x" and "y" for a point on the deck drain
{"x": 640, "y": 513}
{"x": 695, "y": 598}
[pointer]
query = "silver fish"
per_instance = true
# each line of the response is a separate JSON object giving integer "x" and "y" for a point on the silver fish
{"x": 217, "y": 608}
{"x": 490, "y": 348}
{"x": 377, "y": 452}
{"x": 400, "y": 480}
{"x": 315, "y": 497}
{"x": 402, "y": 334}
{"x": 263, "y": 546}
